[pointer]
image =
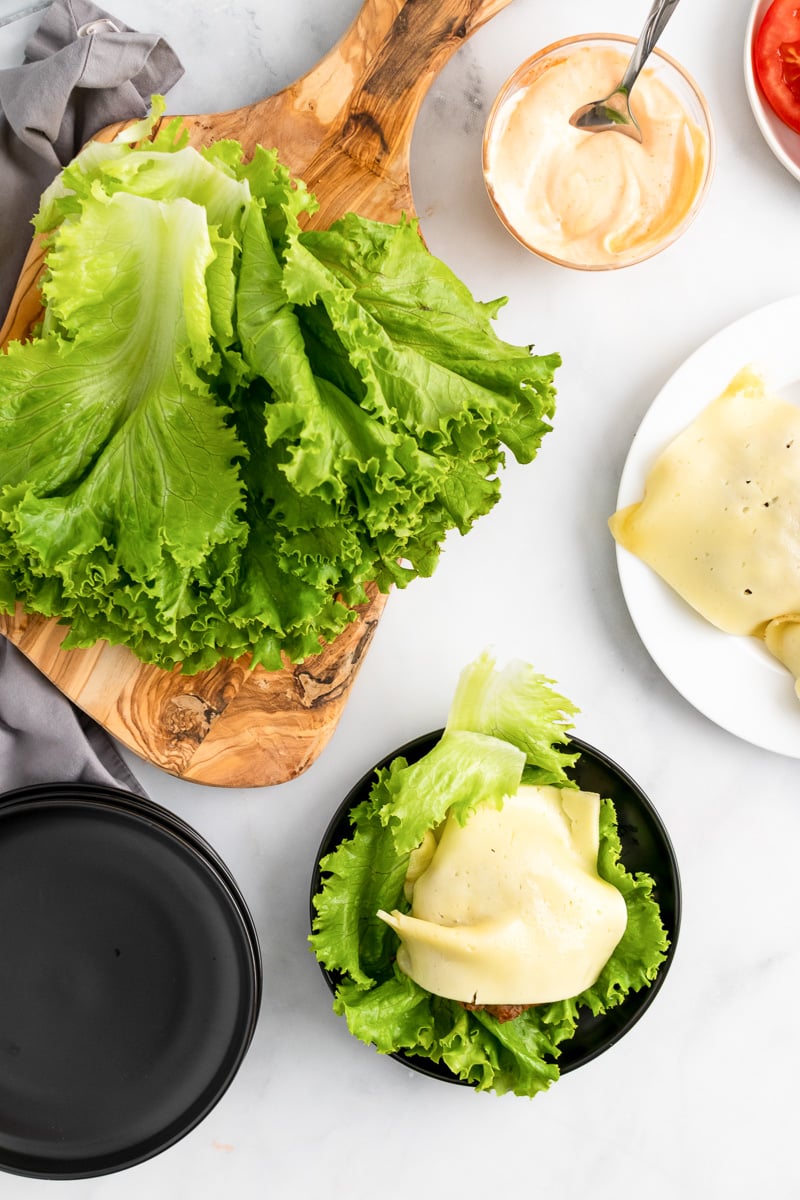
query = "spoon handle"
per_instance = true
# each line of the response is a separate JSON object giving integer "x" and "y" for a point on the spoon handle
{"x": 657, "y": 18}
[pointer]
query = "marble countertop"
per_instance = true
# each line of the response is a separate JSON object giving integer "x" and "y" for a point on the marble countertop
{"x": 700, "y": 1097}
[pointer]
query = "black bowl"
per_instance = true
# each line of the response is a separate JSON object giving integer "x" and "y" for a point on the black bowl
{"x": 130, "y": 980}
{"x": 645, "y": 847}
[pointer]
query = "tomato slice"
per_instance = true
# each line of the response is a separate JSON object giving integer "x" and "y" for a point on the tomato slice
{"x": 776, "y": 60}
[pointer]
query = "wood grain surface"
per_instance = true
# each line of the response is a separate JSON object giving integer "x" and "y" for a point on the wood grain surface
{"x": 345, "y": 128}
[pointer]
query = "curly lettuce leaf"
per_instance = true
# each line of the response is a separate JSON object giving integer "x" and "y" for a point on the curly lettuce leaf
{"x": 456, "y": 376}
{"x": 105, "y": 454}
{"x": 502, "y": 703}
{"x": 164, "y": 168}
{"x": 448, "y": 380}
{"x": 370, "y": 875}
{"x": 462, "y": 771}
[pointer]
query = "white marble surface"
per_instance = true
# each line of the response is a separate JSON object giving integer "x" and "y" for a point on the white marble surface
{"x": 700, "y": 1098}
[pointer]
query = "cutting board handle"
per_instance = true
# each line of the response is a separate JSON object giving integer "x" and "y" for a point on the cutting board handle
{"x": 402, "y": 45}
{"x": 355, "y": 110}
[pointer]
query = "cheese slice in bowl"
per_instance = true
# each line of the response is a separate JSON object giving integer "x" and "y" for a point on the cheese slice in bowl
{"x": 510, "y": 908}
{"x": 719, "y": 520}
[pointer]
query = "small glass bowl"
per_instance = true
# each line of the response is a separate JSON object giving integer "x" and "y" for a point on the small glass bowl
{"x": 669, "y": 72}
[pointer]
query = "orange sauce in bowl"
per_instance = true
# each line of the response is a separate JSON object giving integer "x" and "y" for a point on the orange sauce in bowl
{"x": 593, "y": 199}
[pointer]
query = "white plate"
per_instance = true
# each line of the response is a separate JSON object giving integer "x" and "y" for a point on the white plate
{"x": 732, "y": 680}
{"x": 782, "y": 141}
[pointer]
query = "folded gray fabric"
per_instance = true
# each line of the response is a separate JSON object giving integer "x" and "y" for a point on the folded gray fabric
{"x": 46, "y": 739}
{"x": 83, "y": 69}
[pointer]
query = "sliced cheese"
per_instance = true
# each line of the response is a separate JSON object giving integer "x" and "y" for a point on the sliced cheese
{"x": 720, "y": 516}
{"x": 510, "y": 909}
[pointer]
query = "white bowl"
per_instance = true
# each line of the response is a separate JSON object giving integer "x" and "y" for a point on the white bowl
{"x": 782, "y": 141}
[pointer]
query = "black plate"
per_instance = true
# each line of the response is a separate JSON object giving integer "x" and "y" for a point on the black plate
{"x": 645, "y": 847}
{"x": 130, "y": 980}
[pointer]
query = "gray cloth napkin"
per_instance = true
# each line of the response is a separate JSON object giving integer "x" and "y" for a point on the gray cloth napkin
{"x": 83, "y": 69}
{"x": 45, "y": 739}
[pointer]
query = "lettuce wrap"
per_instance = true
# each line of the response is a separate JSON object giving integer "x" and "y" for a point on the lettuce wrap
{"x": 505, "y": 728}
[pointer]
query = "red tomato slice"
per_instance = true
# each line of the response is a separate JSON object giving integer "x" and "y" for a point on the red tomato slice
{"x": 776, "y": 60}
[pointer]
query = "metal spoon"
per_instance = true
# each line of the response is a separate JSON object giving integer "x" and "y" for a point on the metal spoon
{"x": 614, "y": 110}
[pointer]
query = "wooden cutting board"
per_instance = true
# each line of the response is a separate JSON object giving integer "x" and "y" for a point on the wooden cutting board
{"x": 345, "y": 128}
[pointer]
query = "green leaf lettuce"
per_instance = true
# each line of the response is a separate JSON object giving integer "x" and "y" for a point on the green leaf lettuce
{"x": 228, "y": 425}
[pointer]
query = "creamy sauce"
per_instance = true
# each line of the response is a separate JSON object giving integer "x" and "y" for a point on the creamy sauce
{"x": 509, "y": 908}
{"x": 719, "y": 520}
{"x": 593, "y": 199}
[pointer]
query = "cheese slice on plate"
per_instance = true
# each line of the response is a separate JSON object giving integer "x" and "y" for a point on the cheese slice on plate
{"x": 510, "y": 908}
{"x": 720, "y": 517}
